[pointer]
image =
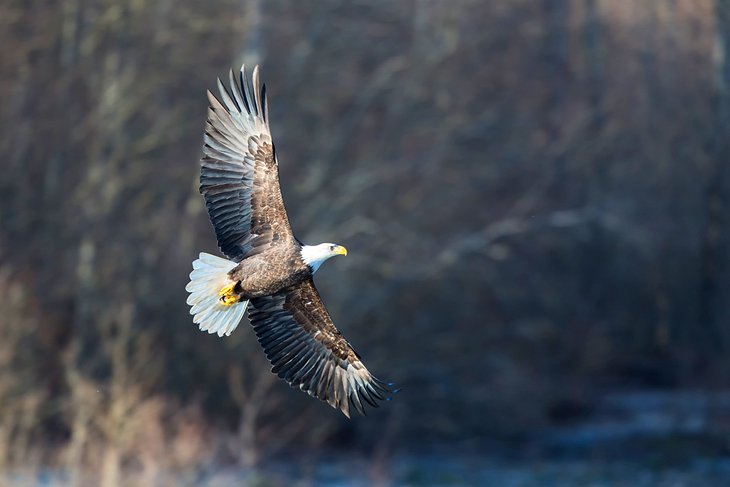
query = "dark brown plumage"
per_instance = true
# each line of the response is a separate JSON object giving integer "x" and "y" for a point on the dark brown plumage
{"x": 239, "y": 175}
{"x": 308, "y": 352}
{"x": 270, "y": 271}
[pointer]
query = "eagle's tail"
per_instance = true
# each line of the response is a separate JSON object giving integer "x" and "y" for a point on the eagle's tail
{"x": 211, "y": 309}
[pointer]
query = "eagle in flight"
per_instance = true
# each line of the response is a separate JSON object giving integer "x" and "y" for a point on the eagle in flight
{"x": 268, "y": 271}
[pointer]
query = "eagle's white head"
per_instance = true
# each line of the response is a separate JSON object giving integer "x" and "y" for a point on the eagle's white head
{"x": 315, "y": 255}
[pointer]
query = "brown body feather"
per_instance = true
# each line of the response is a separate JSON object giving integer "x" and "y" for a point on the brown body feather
{"x": 270, "y": 271}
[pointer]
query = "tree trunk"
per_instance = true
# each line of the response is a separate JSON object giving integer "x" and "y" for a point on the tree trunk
{"x": 715, "y": 284}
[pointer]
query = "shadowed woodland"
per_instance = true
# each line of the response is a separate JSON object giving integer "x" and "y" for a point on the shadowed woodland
{"x": 534, "y": 193}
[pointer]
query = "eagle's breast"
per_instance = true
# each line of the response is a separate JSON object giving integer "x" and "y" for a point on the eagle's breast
{"x": 271, "y": 271}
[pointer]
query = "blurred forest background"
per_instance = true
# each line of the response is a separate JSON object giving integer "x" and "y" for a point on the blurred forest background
{"x": 535, "y": 195}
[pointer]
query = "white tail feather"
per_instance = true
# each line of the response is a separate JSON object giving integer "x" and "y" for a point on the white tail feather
{"x": 209, "y": 276}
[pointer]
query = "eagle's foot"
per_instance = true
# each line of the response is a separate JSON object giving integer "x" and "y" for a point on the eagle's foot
{"x": 228, "y": 298}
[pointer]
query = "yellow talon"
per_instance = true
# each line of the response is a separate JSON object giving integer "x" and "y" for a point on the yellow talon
{"x": 227, "y": 296}
{"x": 228, "y": 289}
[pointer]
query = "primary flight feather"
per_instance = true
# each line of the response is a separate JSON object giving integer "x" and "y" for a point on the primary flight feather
{"x": 270, "y": 271}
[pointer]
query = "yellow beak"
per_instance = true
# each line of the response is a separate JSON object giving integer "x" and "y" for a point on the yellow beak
{"x": 340, "y": 250}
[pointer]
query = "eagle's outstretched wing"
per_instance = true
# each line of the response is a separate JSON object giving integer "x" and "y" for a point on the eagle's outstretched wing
{"x": 239, "y": 177}
{"x": 308, "y": 352}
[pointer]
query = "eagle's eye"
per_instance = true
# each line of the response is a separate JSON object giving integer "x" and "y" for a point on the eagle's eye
{"x": 332, "y": 247}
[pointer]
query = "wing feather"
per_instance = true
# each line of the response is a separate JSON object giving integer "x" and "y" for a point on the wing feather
{"x": 239, "y": 175}
{"x": 306, "y": 350}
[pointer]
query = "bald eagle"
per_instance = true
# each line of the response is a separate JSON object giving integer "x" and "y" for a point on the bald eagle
{"x": 268, "y": 271}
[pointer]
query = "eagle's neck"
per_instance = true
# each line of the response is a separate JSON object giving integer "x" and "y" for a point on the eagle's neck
{"x": 315, "y": 255}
